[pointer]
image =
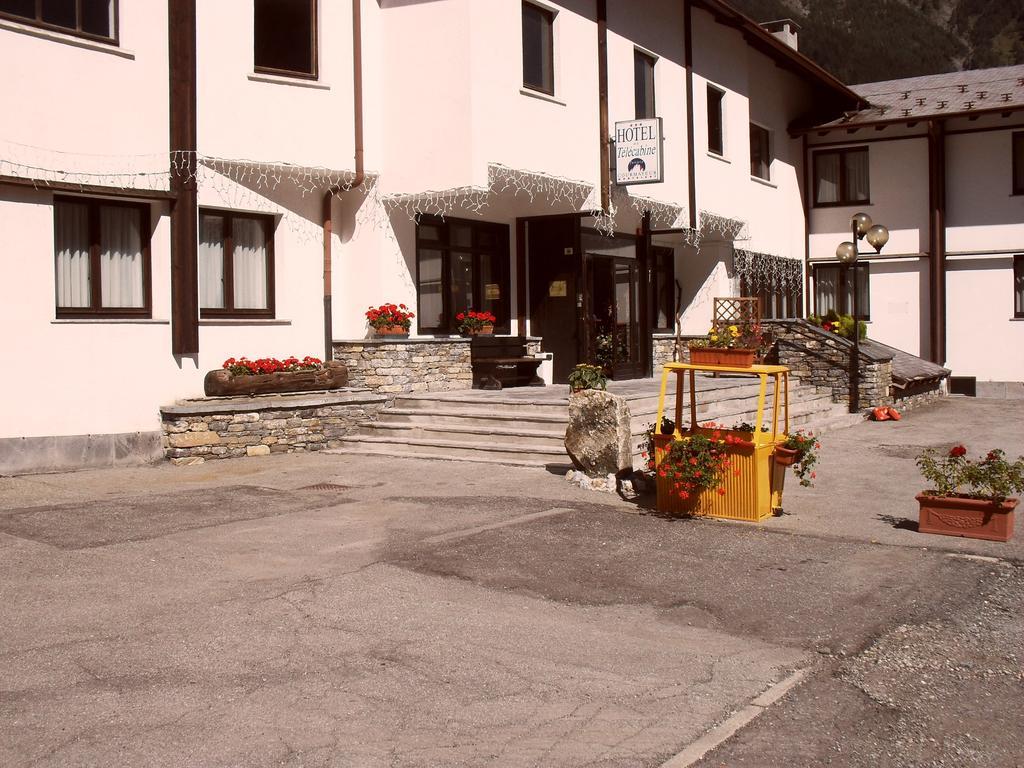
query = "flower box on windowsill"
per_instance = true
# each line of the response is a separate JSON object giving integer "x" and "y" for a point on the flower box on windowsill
{"x": 392, "y": 331}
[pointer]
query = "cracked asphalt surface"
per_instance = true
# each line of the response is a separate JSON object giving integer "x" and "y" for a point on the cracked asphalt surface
{"x": 444, "y": 614}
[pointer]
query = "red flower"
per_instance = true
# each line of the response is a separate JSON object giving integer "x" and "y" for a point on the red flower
{"x": 956, "y": 451}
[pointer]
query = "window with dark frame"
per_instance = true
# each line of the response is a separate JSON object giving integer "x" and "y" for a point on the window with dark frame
{"x": 1018, "y": 285}
{"x": 538, "y": 48}
{"x": 1018, "y": 163}
{"x": 95, "y": 19}
{"x": 643, "y": 85}
{"x": 842, "y": 177}
{"x": 760, "y": 152}
{"x": 716, "y": 133}
{"x": 285, "y": 37}
{"x": 663, "y": 286}
{"x": 461, "y": 265}
{"x": 236, "y": 265}
{"x": 832, "y": 290}
{"x": 101, "y": 258}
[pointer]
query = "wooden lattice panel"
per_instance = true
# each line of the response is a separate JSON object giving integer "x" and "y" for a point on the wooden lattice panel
{"x": 737, "y": 311}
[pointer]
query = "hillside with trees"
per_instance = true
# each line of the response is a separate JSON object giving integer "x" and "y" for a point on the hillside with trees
{"x": 869, "y": 40}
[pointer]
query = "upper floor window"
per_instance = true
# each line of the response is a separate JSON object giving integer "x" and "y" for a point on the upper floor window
{"x": 538, "y": 48}
{"x": 1018, "y": 163}
{"x": 101, "y": 251}
{"x": 760, "y": 152}
{"x": 286, "y": 37}
{"x": 643, "y": 85}
{"x": 461, "y": 265}
{"x": 236, "y": 264}
{"x": 841, "y": 177}
{"x": 716, "y": 120}
{"x": 1018, "y": 286}
{"x": 88, "y": 18}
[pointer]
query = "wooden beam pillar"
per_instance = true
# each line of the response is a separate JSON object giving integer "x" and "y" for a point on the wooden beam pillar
{"x": 937, "y": 240}
{"x": 181, "y": 49}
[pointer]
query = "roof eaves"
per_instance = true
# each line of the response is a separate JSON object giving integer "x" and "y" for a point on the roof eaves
{"x": 771, "y": 46}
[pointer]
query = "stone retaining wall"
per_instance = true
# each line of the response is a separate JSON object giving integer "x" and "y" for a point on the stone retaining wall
{"x": 663, "y": 346}
{"x": 397, "y": 366}
{"x": 228, "y": 427}
{"x": 823, "y": 360}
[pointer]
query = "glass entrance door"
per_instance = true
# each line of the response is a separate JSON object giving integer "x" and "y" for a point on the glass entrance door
{"x": 613, "y": 316}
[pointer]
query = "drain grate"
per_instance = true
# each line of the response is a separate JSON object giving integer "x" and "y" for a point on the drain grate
{"x": 325, "y": 487}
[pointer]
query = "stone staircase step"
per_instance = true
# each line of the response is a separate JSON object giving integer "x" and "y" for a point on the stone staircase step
{"x": 536, "y": 454}
{"x": 468, "y": 417}
{"x": 526, "y": 427}
{"x": 508, "y": 436}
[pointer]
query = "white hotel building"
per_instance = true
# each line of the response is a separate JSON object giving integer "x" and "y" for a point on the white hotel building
{"x": 188, "y": 181}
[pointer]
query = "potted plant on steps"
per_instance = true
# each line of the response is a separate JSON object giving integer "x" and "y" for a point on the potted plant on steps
{"x": 390, "y": 320}
{"x": 970, "y": 498}
{"x": 476, "y": 323}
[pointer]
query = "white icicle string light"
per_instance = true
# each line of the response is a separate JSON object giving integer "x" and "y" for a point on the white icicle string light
{"x": 765, "y": 270}
{"x": 714, "y": 226}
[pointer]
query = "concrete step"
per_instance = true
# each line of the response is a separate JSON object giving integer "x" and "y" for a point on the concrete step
{"x": 469, "y": 435}
{"x": 478, "y": 458}
{"x": 498, "y": 405}
{"x": 532, "y": 454}
{"x": 471, "y": 417}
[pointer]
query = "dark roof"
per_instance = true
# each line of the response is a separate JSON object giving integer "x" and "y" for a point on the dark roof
{"x": 973, "y": 92}
{"x": 783, "y": 55}
{"x": 907, "y": 369}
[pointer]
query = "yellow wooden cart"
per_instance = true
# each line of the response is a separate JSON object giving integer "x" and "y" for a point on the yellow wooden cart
{"x": 756, "y": 491}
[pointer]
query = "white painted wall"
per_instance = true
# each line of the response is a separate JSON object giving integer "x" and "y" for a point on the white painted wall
{"x": 982, "y": 339}
{"x": 242, "y": 114}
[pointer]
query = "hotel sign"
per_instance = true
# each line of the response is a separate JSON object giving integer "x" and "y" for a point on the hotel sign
{"x": 638, "y": 152}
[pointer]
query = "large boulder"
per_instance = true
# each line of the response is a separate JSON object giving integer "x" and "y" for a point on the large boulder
{"x": 598, "y": 437}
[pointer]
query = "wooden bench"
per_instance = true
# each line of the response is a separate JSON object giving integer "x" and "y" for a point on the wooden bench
{"x": 502, "y": 361}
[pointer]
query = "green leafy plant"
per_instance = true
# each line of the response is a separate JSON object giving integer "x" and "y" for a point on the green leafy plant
{"x": 954, "y": 474}
{"x": 840, "y": 325}
{"x": 586, "y": 376}
{"x": 806, "y": 446}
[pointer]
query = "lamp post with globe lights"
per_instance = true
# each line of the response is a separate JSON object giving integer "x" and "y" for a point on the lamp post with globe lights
{"x": 861, "y": 227}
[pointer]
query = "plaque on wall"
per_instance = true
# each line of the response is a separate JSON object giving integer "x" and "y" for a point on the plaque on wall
{"x": 558, "y": 288}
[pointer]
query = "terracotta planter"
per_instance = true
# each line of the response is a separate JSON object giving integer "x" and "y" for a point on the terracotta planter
{"x": 970, "y": 518}
{"x": 737, "y": 358}
{"x": 704, "y": 356}
{"x": 221, "y": 383}
{"x": 786, "y": 457}
{"x": 486, "y": 330}
{"x": 391, "y": 330}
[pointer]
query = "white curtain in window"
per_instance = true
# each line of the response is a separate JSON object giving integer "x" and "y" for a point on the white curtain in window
{"x": 857, "y": 178}
{"x": 211, "y": 262}
{"x": 826, "y": 288}
{"x": 827, "y": 167}
{"x": 120, "y": 257}
{"x": 249, "y": 257}
{"x": 72, "y": 249}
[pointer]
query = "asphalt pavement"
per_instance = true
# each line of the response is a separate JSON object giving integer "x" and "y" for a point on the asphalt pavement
{"x": 366, "y": 611}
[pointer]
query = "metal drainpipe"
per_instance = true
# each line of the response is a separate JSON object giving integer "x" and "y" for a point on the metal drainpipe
{"x": 357, "y": 180}
{"x": 602, "y": 95}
